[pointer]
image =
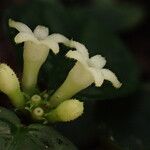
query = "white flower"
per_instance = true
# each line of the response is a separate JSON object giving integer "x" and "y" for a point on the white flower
{"x": 66, "y": 111}
{"x": 93, "y": 66}
{"x": 9, "y": 84}
{"x": 85, "y": 72}
{"x": 39, "y": 36}
{"x": 36, "y": 49}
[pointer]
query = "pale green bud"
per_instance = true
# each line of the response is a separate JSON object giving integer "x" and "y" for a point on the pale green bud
{"x": 9, "y": 84}
{"x": 66, "y": 111}
{"x": 36, "y": 99}
{"x": 38, "y": 113}
{"x": 8, "y": 79}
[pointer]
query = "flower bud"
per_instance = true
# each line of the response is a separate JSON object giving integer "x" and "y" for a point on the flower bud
{"x": 9, "y": 84}
{"x": 36, "y": 99}
{"x": 38, "y": 113}
{"x": 66, "y": 111}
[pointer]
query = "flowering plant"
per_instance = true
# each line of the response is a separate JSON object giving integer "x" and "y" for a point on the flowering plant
{"x": 58, "y": 106}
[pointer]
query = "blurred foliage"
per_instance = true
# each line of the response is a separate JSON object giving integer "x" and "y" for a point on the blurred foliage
{"x": 15, "y": 136}
{"x": 95, "y": 25}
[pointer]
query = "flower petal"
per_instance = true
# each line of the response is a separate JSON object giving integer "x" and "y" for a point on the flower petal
{"x": 77, "y": 56}
{"x": 97, "y": 75}
{"x": 41, "y": 32}
{"x": 52, "y": 41}
{"x": 97, "y": 61}
{"x": 80, "y": 48}
{"x": 110, "y": 76}
{"x": 59, "y": 38}
{"x": 22, "y": 37}
{"x": 51, "y": 44}
{"x": 21, "y": 27}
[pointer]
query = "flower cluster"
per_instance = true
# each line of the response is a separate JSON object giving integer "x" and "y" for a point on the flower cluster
{"x": 59, "y": 106}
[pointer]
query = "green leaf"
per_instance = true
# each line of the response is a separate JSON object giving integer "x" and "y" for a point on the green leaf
{"x": 9, "y": 124}
{"x": 49, "y": 138}
{"x": 8, "y": 116}
{"x": 14, "y": 136}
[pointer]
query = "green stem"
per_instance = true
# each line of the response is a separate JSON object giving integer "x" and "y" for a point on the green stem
{"x": 52, "y": 116}
{"x": 17, "y": 98}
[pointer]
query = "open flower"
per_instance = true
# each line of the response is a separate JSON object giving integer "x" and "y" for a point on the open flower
{"x": 66, "y": 111}
{"x": 36, "y": 49}
{"x": 9, "y": 84}
{"x": 85, "y": 72}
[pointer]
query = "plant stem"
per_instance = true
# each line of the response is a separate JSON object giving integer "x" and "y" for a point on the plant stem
{"x": 52, "y": 116}
{"x": 17, "y": 98}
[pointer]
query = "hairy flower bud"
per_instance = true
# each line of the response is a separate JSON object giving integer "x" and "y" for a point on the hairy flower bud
{"x": 66, "y": 111}
{"x": 9, "y": 84}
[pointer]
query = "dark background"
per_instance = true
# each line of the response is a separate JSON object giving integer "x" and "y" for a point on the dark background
{"x": 126, "y": 119}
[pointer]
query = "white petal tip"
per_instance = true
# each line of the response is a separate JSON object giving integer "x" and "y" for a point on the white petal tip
{"x": 10, "y": 22}
{"x": 110, "y": 76}
{"x": 98, "y": 85}
{"x": 69, "y": 54}
{"x": 55, "y": 50}
{"x": 16, "y": 40}
{"x": 118, "y": 85}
